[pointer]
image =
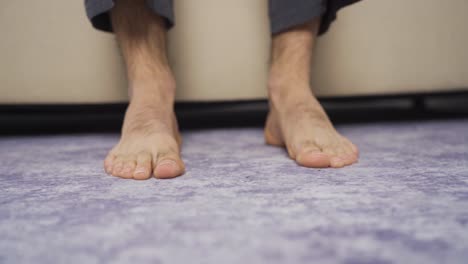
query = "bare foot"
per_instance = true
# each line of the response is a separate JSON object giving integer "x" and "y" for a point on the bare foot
{"x": 302, "y": 126}
{"x": 150, "y": 143}
{"x": 296, "y": 119}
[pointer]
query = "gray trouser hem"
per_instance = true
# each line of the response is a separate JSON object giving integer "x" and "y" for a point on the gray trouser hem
{"x": 98, "y": 12}
{"x": 284, "y": 15}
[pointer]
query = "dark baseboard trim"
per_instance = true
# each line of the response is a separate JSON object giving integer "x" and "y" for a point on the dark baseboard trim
{"x": 61, "y": 118}
{"x": 214, "y": 104}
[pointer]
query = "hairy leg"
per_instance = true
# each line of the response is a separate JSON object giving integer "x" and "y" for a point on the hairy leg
{"x": 150, "y": 141}
{"x": 296, "y": 119}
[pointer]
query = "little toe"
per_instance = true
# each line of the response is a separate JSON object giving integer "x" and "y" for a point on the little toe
{"x": 168, "y": 166}
{"x": 350, "y": 145}
{"x": 108, "y": 163}
{"x": 143, "y": 167}
{"x": 351, "y": 154}
{"x": 352, "y": 157}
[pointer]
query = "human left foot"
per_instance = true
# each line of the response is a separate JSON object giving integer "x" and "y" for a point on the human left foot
{"x": 301, "y": 125}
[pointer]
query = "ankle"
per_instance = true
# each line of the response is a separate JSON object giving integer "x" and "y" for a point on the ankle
{"x": 153, "y": 89}
{"x": 145, "y": 115}
{"x": 285, "y": 92}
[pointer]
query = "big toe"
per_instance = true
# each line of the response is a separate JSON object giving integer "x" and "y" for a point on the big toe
{"x": 311, "y": 155}
{"x": 169, "y": 166}
{"x": 313, "y": 159}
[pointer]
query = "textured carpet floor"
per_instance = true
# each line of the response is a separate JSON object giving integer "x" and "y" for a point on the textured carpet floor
{"x": 240, "y": 201}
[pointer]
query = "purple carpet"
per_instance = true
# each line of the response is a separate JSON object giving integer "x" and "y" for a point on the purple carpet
{"x": 240, "y": 201}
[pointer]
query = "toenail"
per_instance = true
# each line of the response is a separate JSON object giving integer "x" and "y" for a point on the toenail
{"x": 141, "y": 171}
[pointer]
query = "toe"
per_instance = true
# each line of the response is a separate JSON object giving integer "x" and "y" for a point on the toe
{"x": 143, "y": 167}
{"x": 128, "y": 168}
{"x": 108, "y": 163}
{"x": 352, "y": 153}
{"x": 345, "y": 155}
{"x": 337, "y": 162}
{"x": 312, "y": 156}
{"x": 117, "y": 166}
{"x": 333, "y": 151}
{"x": 168, "y": 166}
{"x": 351, "y": 157}
{"x": 351, "y": 146}
{"x": 341, "y": 154}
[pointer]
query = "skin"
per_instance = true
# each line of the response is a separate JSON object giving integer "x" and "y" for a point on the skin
{"x": 296, "y": 119}
{"x": 150, "y": 143}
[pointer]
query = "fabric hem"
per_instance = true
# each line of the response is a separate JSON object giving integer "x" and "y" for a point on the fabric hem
{"x": 98, "y": 13}
{"x": 294, "y": 18}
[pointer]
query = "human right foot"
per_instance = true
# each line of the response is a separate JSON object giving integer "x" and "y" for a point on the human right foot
{"x": 301, "y": 125}
{"x": 150, "y": 143}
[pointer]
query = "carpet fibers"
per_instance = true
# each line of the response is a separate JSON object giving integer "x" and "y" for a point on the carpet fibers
{"x": 240, "y": 201}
